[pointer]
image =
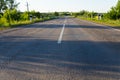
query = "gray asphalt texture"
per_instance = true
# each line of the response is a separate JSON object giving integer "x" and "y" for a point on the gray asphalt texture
{"x": 88, "y": 51}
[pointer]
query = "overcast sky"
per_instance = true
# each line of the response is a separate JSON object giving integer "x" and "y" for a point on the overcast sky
{"x": 67, "y": 5}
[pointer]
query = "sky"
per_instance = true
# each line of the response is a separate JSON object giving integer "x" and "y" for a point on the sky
{"x": 67, "y": 5}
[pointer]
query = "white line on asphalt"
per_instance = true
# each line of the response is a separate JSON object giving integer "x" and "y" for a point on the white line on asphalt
{"x": 116, "y": 29}
{"x": 61, "y": 34}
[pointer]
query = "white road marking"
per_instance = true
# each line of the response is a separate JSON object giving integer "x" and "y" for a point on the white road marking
{"x": 61, "y": 34}
{"x": 116, "y": 29}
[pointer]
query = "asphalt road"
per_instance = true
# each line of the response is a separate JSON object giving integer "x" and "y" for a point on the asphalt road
{"x": 60, "y": 49}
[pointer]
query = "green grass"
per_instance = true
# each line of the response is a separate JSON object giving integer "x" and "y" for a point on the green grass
{"x": 5, "y": 25}
{"x": 107, "y": 22}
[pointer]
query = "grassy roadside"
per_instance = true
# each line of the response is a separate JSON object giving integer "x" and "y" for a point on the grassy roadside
{"x": 107, "y": 22}
{"x": 20, "y": 23}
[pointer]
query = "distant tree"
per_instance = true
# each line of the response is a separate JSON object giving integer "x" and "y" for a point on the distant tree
{"x": 75, "y": 14}
{"x": 56, "y": 14}
{"x": 92, "y": 14}
{"x": 38, "y": 14}
{"x": 83, "y": 12}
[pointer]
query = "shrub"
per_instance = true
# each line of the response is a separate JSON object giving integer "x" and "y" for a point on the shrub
{"x": 3, "y": 22}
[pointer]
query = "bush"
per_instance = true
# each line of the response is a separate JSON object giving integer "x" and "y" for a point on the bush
{"x": 24, "y": 16}
{"x": 3, "y": 22}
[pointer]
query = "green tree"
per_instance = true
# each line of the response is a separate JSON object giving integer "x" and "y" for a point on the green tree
{"x": 114, "y": 13}
{"x": 11, "y": 11}
{"x": 118, "y": 9}
{"x": 2, "y": 5}
{"x": 56, "y": 14}
{"x": 7, "y": 16}
{"x": 24, "y": 16}
{"x": 15, "y": 15}
{"x": 11, "y": 4}
{"x": 38, "y": 14}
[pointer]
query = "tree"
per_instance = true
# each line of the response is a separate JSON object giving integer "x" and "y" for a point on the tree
{"x": 11, "y": 4}
{"x": 11, "y": 10}
{"x": 38, "y": 14}
{"x": 2, "y": 5}
{"x": 7, "y": 16}
{"x": 114, "y": 13}
{"x": 24, "y": 16}
{"x": 15, "y": 15}
{"x": 56, "y": 14}
{"x": 118, "y": 9}
{"x": 83, "y": 12}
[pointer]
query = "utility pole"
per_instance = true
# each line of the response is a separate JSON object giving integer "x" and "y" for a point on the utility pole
{"x": 28, "y": 9}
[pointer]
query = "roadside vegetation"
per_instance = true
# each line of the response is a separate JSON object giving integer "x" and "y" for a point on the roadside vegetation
{"x": 111, "y": 18}
{"x": 11, "y": 17}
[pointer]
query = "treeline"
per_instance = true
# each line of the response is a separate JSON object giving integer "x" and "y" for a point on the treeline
{"x": 113, "y": 14}
{"x": 9, "y": 15}
{"x": 85, "y": 14}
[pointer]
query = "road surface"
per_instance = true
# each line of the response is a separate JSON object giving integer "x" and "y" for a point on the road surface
{"x": 60, "y": 49}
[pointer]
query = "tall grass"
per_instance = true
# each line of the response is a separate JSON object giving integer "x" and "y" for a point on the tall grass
{"x": 4, "y": 24}
{"x": 108, "y": 22}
